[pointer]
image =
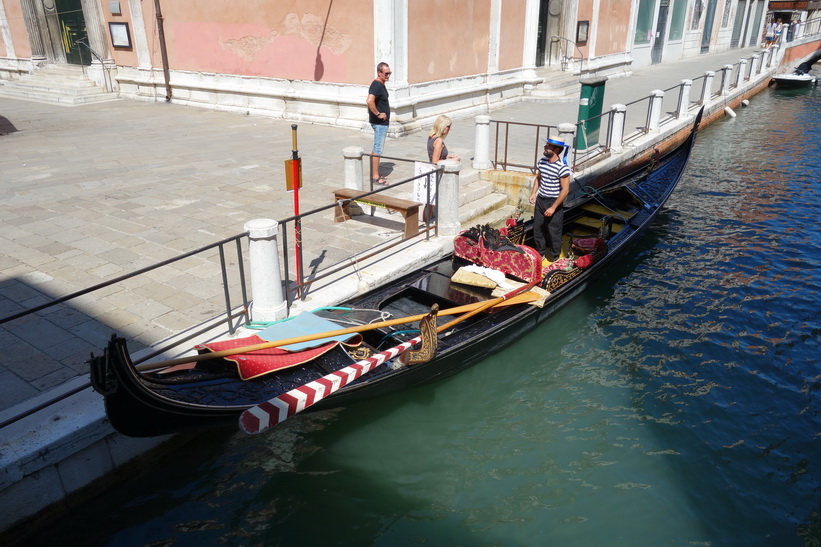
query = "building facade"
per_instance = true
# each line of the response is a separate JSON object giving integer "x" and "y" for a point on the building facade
{"x": 313, "y": 60}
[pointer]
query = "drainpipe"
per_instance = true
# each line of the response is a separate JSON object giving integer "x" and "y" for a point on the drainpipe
{"x": 163, "y": 51}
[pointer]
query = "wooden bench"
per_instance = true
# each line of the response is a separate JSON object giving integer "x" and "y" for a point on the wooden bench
{"x": 408, "y": 209}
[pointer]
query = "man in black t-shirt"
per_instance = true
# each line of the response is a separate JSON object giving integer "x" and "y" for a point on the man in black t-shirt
{"x": 379, "y": 115}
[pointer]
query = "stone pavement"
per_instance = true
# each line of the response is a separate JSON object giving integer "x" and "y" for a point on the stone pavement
{"x": 93, "y": 192}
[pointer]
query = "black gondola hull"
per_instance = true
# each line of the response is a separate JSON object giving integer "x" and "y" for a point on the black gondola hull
{"x": 142, "y": 405}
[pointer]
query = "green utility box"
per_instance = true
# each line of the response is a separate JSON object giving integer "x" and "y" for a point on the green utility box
{"x": 590, "y": 106}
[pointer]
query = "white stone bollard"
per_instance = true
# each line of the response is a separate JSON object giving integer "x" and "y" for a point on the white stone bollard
{"x": 742, "y": 70}
{"x": 448, "y": 199}
{"x": 707, "y": 91}
{"x": 354, "y": 177}
{"x": 617, "y": 127}
{"x": 725, "y": 80}
{"x": 684, "y": 98}
{"x": 481, "y": 147}
{"x": 268, "y": 303}
{"x": 656, "y": 104}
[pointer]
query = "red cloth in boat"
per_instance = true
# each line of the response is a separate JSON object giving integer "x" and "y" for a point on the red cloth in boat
{"x": 254, "y": 364}
{"x": 519, "y": 261}
{"x": 587, "y": 245}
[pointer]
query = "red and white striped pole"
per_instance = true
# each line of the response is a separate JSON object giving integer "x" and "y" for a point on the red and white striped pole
{"x": 274, "y": 411}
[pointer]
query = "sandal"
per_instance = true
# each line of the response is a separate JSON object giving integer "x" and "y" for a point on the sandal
{"x": 381, "y": 181}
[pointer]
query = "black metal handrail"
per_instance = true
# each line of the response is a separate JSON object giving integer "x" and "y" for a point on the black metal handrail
{"x": 219, "y": 245}
{"x": 504, "y": 162}
{"x": 566, "y": 58}
{"x": 106, "y": 76}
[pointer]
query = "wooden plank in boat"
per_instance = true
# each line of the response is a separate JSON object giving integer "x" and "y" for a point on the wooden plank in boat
{"x": 596, "y": 223}
{"x": 602, "y": 210}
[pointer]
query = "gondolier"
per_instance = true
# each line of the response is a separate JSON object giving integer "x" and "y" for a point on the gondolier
{"x": 550, "y": 188}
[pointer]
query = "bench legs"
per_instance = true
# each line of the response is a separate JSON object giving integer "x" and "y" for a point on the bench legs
{"x": 410, "y": 214}
{"x": 411, "y": 221}
{"x": 343, "y": 213}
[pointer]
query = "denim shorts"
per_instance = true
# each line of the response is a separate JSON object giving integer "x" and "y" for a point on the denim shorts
{"x": 380, "y": 131}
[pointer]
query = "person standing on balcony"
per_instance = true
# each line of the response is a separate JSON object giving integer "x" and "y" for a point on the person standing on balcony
{"x": 550, "y": 188}
{"x": 379, "y": 116}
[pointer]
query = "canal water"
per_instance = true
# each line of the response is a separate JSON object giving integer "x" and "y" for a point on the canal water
{"x": 677, "y": 403}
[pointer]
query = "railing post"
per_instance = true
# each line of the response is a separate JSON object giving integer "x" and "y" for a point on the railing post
{"x": 448, "y": 199}
{"x": 354, "y": 177}
{"x": 742, "y": 70}
{"x": 268, "y": 303}
{"x": 481, "y": 147}
{"x": 617, "y": 127}
{"x": 656, "y": 102}
{"x": 707, "y": 90}
{"x": 755, "y": 68}
{"x": 725, "y": 79}
{"x": 684, "y": 98}
{"x": 566, "y": 134}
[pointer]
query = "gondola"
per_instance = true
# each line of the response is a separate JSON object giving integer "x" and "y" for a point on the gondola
{"x": 211, "y": 391}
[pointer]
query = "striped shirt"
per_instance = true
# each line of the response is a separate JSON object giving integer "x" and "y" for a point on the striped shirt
{"x": 549, "y": 175}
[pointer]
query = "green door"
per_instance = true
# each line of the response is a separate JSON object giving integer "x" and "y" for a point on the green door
{"x": 73, "y": 28}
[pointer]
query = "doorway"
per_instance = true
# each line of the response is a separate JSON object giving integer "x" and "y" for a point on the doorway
{"x": 549, "y": 12}
{"x": 738, "y": 23}
{"x": 661, "y": 31}
{"x": 72, "y": 28}
{"x": 708, "y": 26}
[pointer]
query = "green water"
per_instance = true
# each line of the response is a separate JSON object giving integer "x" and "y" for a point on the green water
{"x": 676, "y": 403}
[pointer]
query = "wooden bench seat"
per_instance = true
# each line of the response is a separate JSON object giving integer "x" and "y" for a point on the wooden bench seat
{"x": 408, "y": 209}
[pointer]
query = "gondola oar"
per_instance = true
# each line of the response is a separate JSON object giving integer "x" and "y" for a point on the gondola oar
{"x": 522, "y": 298}
{"x": 276, "y": 410}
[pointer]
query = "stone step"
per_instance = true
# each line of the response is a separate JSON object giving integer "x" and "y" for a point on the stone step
{"x": 495, "y": 217}
{"x": 555, "y": 86}
{"x": 484, "y": 207}
{"x": 474, "y": 191}
{"x": 51, "y": 96}
{"x": 62, "y": 84}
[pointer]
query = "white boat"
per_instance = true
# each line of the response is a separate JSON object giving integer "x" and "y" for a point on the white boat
{"x": 794, "y": 79}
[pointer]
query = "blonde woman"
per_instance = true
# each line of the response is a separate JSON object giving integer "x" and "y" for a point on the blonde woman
{"x": 437, "y": 151}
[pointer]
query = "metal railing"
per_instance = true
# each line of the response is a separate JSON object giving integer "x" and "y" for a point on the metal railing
{"x": 230, "y": 313}
{"x": 566, "y": 56}
{"x": 106, "y": 70}
{"x": 703, "y": 89}
{"x": 501, "y": 158}
{"x": 298, "y": 289}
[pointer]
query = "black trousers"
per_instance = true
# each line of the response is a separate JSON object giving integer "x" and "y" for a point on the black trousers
{"x": 547, "y": 230}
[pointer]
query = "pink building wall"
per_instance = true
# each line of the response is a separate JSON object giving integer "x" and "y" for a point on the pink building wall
{"x": 442, "y": 46}
{"x": 123, "y": 56}
{"x": 611, "y": 30}
{"x": 17, "y": 28}
{"x": 314, "y": 40}
{"x": 511, "y": 40}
